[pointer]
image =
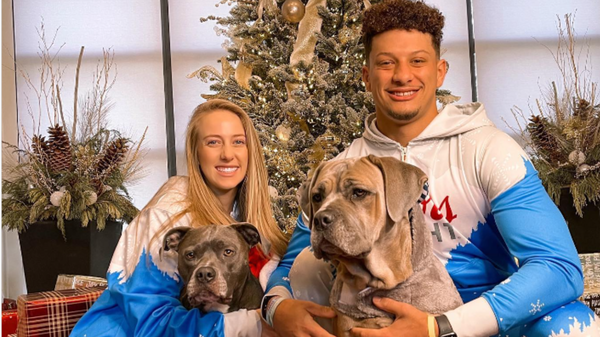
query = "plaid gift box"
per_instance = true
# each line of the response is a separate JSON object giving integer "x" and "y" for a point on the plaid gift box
{"x": 9, "y": 322}
{"x": 591, "y": 281}
{"x": 64, "y": 281}
{"x": 54, "y": 313}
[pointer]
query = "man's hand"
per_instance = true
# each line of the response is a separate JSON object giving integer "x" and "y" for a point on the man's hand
{"x": 294, "y": 318}
{"x": 410, "y": 321}
{"x": 267, "y": 331}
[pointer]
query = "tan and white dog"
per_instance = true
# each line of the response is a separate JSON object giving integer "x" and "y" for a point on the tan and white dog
{"x": 365, "y": 218}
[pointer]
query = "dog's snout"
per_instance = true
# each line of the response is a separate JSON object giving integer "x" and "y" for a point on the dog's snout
{"x": 206, "y": 274}
{"x": 323, "y": 220}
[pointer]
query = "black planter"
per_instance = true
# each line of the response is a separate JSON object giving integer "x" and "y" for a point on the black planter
{"x": 585, "y": 231}
{"x": 46, "y": 254}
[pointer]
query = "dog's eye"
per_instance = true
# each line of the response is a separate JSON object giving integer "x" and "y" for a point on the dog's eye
{"x": 317, "y": 197}
{"x": 228, "y": 252}
{"x": 358, "y": 193}
{"x": 190, "y": 255}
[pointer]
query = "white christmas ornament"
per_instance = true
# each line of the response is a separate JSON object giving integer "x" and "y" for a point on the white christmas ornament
{"x": 577, "y": 157}
{"x": 583, "y": 169}
{"x": 283, "y": 132}
{"x": 56, "y": 197}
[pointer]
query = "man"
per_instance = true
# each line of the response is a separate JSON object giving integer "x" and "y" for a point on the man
{"x": 486, "y": 207}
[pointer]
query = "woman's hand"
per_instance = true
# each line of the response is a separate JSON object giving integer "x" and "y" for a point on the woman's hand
{"x": 295, "y": 318}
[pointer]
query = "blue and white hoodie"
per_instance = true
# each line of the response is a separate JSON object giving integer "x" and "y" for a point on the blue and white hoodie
{"x": 486, "y": 210}
{"x": 142, "y": 298}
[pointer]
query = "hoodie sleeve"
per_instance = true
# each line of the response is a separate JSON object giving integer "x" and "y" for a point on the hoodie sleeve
{"x": 142, "y": 298}
{"x": 279, "y": 283}
{"x": 535, "y": 233}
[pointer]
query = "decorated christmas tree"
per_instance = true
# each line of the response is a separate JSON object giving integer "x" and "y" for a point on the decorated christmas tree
{"x": 296, "y": 68}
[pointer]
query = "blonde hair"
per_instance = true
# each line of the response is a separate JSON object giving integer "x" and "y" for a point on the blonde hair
{"x": 253, "y": 201}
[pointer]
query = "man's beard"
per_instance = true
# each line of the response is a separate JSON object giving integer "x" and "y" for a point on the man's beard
{"x": 404, "y": 116}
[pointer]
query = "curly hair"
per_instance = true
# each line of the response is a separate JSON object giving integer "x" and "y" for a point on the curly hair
{"x": 404, "y": 15}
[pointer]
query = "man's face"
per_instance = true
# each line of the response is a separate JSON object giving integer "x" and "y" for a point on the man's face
{"x": 403, "y": 73}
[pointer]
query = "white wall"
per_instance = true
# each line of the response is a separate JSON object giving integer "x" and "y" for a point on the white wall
{"x": 514, "y": 41}
{"x": 13, "y": 279}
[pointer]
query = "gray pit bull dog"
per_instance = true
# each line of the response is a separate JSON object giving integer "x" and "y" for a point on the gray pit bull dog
{"x": 365, "y": 218}
{"x": 213, "y": 262}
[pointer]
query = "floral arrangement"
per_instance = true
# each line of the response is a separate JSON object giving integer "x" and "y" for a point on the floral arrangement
{"x": 563, "y": 135}
{"x": 79, "y": 171}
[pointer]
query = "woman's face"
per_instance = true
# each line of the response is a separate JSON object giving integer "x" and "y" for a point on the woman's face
{"x": 222, "y": 153}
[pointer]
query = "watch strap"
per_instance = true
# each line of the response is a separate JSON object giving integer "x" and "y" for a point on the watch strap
{"x": 264, "y": 304}
{"x": 444, "y": 326}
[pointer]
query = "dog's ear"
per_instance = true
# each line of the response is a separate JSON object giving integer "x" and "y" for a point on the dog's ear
{"x": 173, "y": 238}
{"x": 248, "y": 232}
{"x": 307, "y": 187}
{"x": 408, "y": 181}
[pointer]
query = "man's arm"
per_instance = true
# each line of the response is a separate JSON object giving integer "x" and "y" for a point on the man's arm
{"x": 535, "y": 233}
{"x": 279, "y": 283}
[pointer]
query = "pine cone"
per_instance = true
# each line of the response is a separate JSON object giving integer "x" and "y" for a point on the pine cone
{"x": 59, "y": 146}
{"x": 544, "y": 141}
{"x": 582, "y": 108}
{"x": 98, "y": 185}
{"x": 113, "y": 155}
{"x": 40, "y": 149}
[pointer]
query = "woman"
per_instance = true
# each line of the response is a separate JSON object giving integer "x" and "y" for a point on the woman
{"x": 227, "y": 183}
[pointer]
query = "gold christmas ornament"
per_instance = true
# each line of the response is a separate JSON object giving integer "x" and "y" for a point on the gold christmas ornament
{"x": 90, "y": 197}
{"x": 292, "y": 10}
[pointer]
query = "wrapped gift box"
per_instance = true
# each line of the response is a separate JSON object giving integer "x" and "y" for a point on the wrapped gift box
{"x": 8, "y": 304}
{"x": 9, "y": 322}
{"x": 54, "y": 313}
{"x": 64, "y": 281}
{"x": 591, "y": 281}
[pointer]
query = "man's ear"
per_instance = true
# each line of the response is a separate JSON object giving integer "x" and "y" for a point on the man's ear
{"x": 403, "y": 185}
{"x": 248, "y": 232}
{"x": 442, "y": 70}
{"x": 365, "y": 77}
{"x": 173, "y": 238}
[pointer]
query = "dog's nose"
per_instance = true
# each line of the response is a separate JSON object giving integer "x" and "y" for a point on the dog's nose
{"x": 206, "y": 274}
{"x": 323, "y": 220}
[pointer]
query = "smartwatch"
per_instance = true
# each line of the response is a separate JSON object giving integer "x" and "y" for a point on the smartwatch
{"x": 264, "y": 304}
{"x": 444, "y": 326}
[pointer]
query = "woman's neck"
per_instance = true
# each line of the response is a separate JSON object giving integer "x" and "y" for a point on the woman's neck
{"x": 227, "y": 199}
